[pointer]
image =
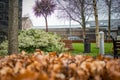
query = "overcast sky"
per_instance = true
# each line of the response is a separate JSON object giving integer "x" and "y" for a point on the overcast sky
{"x": 39, "y": 21}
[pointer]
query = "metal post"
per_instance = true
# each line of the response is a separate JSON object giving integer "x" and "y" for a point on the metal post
{"x": 69, "y": 23}
{"x": 101, "y": 36}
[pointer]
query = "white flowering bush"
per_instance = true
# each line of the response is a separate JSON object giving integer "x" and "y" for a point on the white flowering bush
{"x": 32, "y": 39}
{"x": 3, "y": 48}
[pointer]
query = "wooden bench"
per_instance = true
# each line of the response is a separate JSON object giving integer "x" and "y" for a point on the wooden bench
{"x": 116, "y": 47}
{"x": 68, "y": 44}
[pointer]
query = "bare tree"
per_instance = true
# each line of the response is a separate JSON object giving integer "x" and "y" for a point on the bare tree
{"x": 77, "y": 10}
{"x": 112, "y": 10}
{"x": 103, "y": 9}
{"x": 108, "y": 3}
{"x": 44, "y": 8}
{"x": 96, "y": 22}
{"x": 115, "y": 8}
{"x": 13, "y": 27}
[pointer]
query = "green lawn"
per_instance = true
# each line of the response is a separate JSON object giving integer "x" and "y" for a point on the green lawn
{"x": 79, "y": 49}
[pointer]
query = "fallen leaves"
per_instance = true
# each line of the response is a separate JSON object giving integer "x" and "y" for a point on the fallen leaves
{"x": 39, "y": 66}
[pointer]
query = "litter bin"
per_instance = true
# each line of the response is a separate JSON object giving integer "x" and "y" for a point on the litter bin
{"x": 87, "y": 45}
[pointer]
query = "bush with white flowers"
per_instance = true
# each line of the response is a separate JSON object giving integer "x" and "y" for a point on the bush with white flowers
{"x": 32, "y": 39}
{"x": 3, "y": 48}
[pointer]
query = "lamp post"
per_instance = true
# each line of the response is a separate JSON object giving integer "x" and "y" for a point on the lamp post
{"x": 69, "y": 23}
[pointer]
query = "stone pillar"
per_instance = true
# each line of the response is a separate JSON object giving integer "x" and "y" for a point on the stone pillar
{"x": 101, "y": 38}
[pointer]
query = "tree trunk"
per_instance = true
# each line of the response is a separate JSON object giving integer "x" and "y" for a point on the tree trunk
{"x": 13, "y": 27}
{"x": 83, "y": 20}
{"x": 83, "y": 24}
{"x": 46, "y": 24}
{"x": 96, "y": 23}
{"x": 109, "y": 18}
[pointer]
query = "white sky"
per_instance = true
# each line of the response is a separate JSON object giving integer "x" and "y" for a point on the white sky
{"x": 39, "y": 21}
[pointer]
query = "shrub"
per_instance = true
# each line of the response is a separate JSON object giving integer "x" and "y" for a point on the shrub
{"x": 32, "y": 39}
{"x": 3, "y": 48}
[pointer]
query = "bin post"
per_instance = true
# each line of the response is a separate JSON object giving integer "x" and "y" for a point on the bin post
{"x": 101, "y": 38}
{"x": 87, "y": 45}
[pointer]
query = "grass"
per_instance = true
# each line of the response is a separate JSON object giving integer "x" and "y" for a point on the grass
{"x": 79, "y": 49}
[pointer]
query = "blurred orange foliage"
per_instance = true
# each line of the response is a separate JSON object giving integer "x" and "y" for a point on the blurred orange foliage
{"x": 52, "y": 66}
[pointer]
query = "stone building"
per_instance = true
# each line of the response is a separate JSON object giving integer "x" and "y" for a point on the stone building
{"x": 114, "y": 27}
{"x": 26, "y": 23}
{"x": 75, "y": 30}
